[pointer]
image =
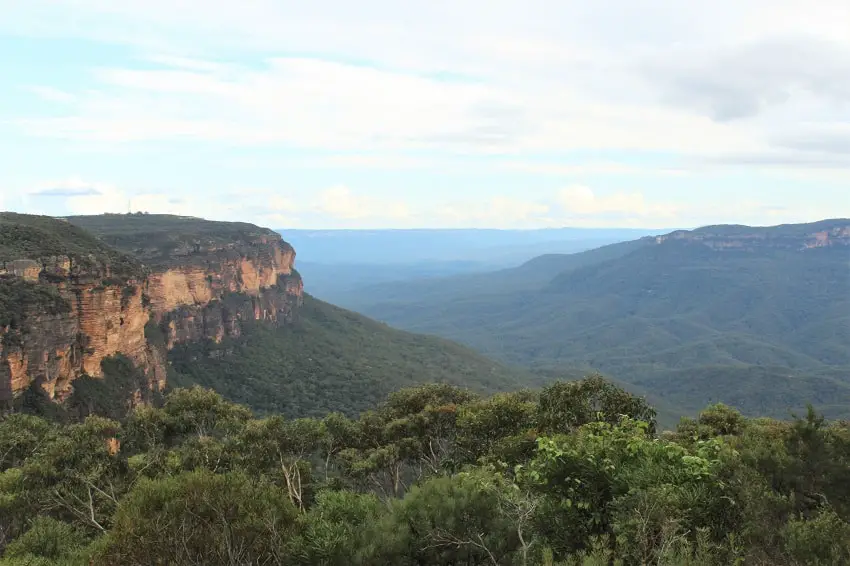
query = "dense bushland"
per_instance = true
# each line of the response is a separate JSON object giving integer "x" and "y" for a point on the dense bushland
{"x": 574, "y": 474}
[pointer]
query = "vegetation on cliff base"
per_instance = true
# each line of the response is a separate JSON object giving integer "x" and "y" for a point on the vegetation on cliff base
{"x": 331, "y": 359}
{"x": 435, "y": 476}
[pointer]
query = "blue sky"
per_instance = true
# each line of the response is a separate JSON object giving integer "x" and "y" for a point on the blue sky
{"x": 634, "y": 113}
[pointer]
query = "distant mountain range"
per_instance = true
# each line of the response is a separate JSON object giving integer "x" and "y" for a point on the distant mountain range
{"x": 336, "y": 263}
{"x": 755, "y": 317}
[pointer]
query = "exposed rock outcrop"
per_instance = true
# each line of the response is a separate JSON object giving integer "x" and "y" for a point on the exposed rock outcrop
{"x": 828, "y": 233}
{"x": 100, "y": 316}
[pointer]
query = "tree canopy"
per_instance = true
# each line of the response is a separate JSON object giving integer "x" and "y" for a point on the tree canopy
{"x": 575, "y": 474}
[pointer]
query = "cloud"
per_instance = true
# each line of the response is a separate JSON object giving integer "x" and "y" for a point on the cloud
{"x": 577, "y": 206}
{"x": 69, "y": 187}
{"x": 318, "y": 104}
{"x": 830, "y": 140}
{"x": 592, "y": 168}
{"x": 743, "y": 81}
{"x": 51, "y": 94}
{"x": 67, "y": 192}
{"x": 78, "y": 196}
{"x": 343, "y": 207}
{"x": 569, "y": 89}
{"x": 668, "y": 76}
{"x": 340, "y": 203}
{"x": 582, "y": 201}
{"x": 499, "y": 211}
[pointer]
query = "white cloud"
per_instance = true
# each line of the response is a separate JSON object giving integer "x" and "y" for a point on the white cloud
{"x": 580, "y": 201}
{"x": 340, "y": 203}
{"x": 313, "y": 103}
{"x": 656, "y": 75}
{"x": 500, "y": 211}
{"x": 51, "y": 94}
{"x": 340, "y": 206}
{"x": 717, "y": 92}
{"x": 368, "y": 161}
{"x": 79, "y": 196}
{"x": 592, "y": 168}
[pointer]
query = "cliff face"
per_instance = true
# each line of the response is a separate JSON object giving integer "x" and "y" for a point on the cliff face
{"x": 95, "y": 315}
{"x": 208, "y": 301}
{"x": 798, "y": 237}
{"x": 98, "y": 316}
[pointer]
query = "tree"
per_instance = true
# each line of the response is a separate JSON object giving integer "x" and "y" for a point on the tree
{"x": 587, "y": 477}
{"x": 20, "y": 436}
{"x": 48, "y": 541}
{"x": 495, "y": 426}
{"x": 334, "y": 528}
{"x": 565, "y": 406}
{"x": 446, "y": 520}
{"x": 280, "y": 449}
{"x": 202, "y": 412}
{"x": 201, "y": 518}
{"x": 78, "y": 476}
{"x": 823, "y": 540}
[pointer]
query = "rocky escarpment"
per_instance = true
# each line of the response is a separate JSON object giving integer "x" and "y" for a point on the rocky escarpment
{"x": 62, "y": 315}
{"x": 62, "y": 320}
{"x": 209, "y": 298}
{"x": 824, "y": 234}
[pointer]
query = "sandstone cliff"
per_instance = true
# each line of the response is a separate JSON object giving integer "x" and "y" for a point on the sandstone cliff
{"x": 824, "y": 234}
{"x": 61, "y": 316}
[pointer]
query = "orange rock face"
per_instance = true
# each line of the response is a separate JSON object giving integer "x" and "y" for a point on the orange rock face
{"x": 52, "y": 350}
{"x": 172, "y": 288}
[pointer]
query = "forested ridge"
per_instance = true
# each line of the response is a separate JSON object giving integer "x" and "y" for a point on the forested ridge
{"x": 756, "y": 309}
{"x": 435, "y": 475}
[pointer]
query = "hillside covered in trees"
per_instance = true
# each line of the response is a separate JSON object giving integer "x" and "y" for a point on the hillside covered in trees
{"x": 433, "y": 476}
{"x": 332, "y": 359}
{"x": 758, "y": 318}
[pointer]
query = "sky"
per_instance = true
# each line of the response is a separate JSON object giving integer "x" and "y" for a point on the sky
{"x": 462, "y": 113}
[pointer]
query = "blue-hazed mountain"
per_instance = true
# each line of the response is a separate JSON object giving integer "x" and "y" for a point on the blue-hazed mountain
{"x": 755, "y": 317}
{"x": 339, "y": 264}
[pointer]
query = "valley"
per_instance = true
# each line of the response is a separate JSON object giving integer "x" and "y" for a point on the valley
{"x": 171, "y": 392}
{"x": 684, "y": 315}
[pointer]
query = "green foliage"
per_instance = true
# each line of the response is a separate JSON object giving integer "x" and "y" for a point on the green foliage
{"x": 21, "y": 436}
{"x": 501, "y": 427}
{"x": 202, "y": 412}
{"x": 823, "y": 540}
{"x": 445, "y": 521}
{"x": 163, "y": 240}
{"x": 46, "y": 539}
{"x": 201, "y": 518}
{"x": 432, "y": 475}
{"x": 764, "y": 329}
{"x": 331, "y": 360}
{"x": 566, "y": 406}
{"x": 25, "y": 236}
{"x": 19, "y": 299}
{"x": 335, "y": 526}
{"x": 111, "y": 394}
